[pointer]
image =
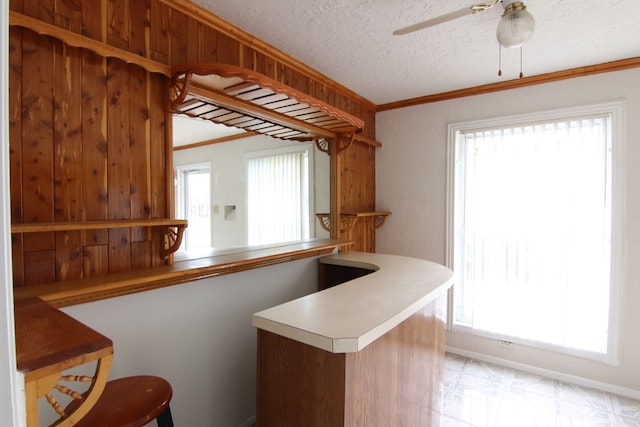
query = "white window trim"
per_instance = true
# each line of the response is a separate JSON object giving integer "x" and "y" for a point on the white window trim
{"x": 178, "y": 183}
{"x": 617, "y": 109}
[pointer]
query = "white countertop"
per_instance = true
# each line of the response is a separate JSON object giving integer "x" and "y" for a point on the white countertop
{"x": 348, "y": 317}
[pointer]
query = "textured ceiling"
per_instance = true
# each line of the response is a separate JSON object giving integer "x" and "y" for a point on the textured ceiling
{"x": 351, "y": 41}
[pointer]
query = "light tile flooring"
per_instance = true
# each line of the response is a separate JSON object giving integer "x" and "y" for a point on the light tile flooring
{"x": 484, "y": 395}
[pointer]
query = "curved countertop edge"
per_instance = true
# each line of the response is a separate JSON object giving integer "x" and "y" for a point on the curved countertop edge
{"x": 367, "y": 307}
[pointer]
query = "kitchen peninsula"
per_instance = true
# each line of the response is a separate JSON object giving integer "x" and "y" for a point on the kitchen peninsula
{"x": 369, "y": 351}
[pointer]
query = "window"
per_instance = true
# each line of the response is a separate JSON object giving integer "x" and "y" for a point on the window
{"x": 532, "y": 229}
{"x": 278, "y": 204}
{"x": 193, "y": 204}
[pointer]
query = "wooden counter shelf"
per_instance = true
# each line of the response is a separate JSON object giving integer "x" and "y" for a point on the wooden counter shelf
{"x": 349, "y": 219}
{"x": 174, "y": 228}
{"x": 49, "y": 342}
{"x": 71, "y": 292}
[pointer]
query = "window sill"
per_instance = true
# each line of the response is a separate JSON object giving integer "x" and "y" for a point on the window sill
{"x": 72, "y": 292}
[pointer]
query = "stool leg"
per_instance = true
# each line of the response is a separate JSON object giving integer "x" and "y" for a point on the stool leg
{"x": 164, "y": 419}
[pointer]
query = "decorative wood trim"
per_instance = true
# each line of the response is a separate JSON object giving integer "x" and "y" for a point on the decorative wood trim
{"x": 71, "y": 292}
{"x": 349, "y": 220}
{"x": 239, "y": 97}
{"x": 322, "y": 144}
{"x": 215, "y": 141}
{"x": 208, "y": 18}
{"x": 74, "y": 39}
{"x": 516, "y": 83}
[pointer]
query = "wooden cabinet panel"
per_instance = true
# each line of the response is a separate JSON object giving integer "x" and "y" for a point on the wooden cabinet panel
{"x": 394, "y": 381}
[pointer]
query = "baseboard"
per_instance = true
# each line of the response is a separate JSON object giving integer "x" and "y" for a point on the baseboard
{"x": 572, "y": 379}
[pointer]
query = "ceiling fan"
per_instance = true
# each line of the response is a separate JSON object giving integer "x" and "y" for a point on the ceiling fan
{"x": 515, "y": 28}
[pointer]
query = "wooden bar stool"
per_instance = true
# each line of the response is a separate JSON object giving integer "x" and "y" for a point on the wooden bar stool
{"x": 131, "y": 402}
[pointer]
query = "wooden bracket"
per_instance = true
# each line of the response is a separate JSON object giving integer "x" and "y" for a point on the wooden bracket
{"x": 172, "y": 238}
{"x": 349, "y": 220}
{"x": 322, "y": 144}
{"x": 344, "y": 141}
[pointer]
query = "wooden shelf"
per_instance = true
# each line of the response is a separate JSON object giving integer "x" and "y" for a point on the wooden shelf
{"x": 71, "y": 292}
{"x": 174, "y": 228}
{"x": 349, "y": 219}
{"x": 242, "y": 98}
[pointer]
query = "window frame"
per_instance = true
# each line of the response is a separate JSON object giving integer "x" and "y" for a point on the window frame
{"x": 616, "y": 109}
{"x": 181, "y": 196}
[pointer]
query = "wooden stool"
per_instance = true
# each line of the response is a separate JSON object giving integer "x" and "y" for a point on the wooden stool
{"x": 131, "y": 402}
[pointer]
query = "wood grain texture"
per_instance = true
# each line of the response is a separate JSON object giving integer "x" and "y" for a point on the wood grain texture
{"x": 97, "y": 287}
{"x": 49, "y": 342}
{"x": 298, "y": 385}
{"x": 89, "y": 138}
{"x": 395, "y": 381}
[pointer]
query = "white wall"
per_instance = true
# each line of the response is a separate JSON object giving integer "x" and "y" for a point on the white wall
{"x": 410, "y": 182}
{"x": 199, "y": 337}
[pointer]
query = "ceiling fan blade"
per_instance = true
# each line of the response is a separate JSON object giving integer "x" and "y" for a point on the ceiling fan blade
{"x": 435, "y": 21}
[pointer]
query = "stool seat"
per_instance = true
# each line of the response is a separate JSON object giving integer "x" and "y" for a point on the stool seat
{"x": 131, "y": 402}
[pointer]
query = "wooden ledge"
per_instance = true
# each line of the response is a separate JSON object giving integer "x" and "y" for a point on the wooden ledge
{"x": 173, "y": 228}
{"x": 72, "y": 292}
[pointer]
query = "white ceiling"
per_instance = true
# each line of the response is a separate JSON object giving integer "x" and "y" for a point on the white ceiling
{"x": 351, "y": 41}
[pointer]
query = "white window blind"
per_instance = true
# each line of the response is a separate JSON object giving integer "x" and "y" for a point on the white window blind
{"x": 278, "y": 197}
{"x": 532, "y": 231}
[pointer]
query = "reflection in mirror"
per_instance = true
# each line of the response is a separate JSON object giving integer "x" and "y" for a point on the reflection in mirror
{"x": 238, "y": 191}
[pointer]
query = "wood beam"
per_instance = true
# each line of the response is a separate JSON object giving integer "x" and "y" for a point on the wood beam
{"x": 215, "y": 141}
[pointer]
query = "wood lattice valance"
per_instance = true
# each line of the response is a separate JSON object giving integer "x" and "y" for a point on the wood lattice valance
{"x": 242, "y": 98}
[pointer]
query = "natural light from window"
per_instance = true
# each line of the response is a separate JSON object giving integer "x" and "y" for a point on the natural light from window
{"x": 193, "y": 204}
{"x": 278, "y": 188}
{"x": 532, "y": 223}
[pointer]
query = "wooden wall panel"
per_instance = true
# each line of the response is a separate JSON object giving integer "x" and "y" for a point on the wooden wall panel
{"x": 94, "y": 161}
{"x": 159, "y": 32}
{"x": 208, "y": 45}
{"x": 68, "y": 14}
{"x": 140, "y": 31}
{"x": 265, "y": 65}
{"x": 89, "y": 137}
{"x": 67, "y": 127}
{"x": 119, "y": 163}
{"x": 37, "y": 154}
{"x": 119, "y": 23}
{"x": 178, "y": 37}
{"x": 160, "y": 160}
{"x": 140, "y": 144}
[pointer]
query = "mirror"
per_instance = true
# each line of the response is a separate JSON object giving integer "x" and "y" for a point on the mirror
{"x": 225, "y": 187}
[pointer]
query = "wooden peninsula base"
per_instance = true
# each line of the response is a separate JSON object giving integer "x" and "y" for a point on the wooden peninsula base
{"x": 395, "y": 381}
{"x": 368, "y": 373}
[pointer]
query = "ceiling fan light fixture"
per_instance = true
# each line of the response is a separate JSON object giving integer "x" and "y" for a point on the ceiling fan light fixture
{"x": 516, "y": 26}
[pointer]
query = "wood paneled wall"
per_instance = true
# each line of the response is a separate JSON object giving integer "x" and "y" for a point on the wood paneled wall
{"x": 89, "y": 136}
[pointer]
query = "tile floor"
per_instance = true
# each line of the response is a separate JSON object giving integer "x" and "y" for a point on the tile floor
{"x": 480, "y": 394}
